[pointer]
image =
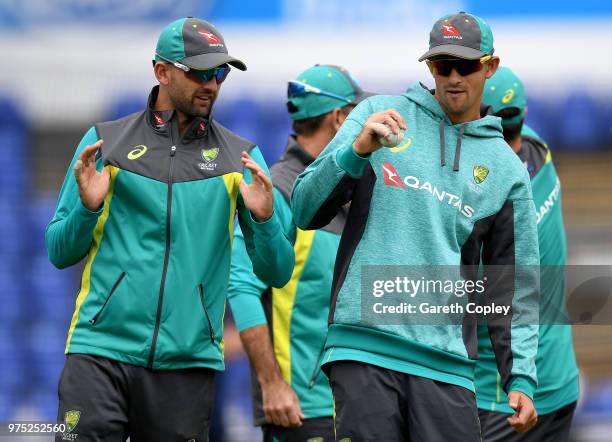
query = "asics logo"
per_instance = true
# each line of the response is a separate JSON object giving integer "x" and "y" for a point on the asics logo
{"x": 137, "y": 152}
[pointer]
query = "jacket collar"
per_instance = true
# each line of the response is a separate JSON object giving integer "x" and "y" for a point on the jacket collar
{"x": 160, "y": 120}
{"x": 294, "y": 149}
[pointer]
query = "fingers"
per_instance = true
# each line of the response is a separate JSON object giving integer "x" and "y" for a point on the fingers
{"x": 89, "y": 153}
{"x": 526, "y": 416}
{"x": 259, "y": 176}
{"x": 87, "y": 159}
{"x": 397, "y": 118}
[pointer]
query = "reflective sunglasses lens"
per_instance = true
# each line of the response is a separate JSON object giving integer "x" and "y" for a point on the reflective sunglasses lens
{"x": 295, "y": 89}
{"x": 221, "y": 73}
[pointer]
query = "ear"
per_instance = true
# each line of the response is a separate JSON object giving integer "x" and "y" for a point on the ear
{"x": 337, "y": 118}
{"x": 492, "y": 66}
{"x": 162, "y": 73}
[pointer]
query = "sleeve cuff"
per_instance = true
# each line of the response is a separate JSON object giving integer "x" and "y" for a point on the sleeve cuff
{"x": 522, "y": 384}
{"x": 84, "y": 212}
{"x": 350, "y": 162}
{"x": 268, "y": 226}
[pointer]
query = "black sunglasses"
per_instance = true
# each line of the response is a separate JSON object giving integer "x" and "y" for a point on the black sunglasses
{"x": 444, "y": 66}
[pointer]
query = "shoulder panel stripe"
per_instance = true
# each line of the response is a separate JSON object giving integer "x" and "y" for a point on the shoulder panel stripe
{"x": 282, "y": 303}
{"x": 97, "y": 240}
{"x": 232, "y": 184}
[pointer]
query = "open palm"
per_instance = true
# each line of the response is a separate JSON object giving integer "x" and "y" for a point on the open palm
{"x": 258, "y": 196}
{"x": 93, "y": 185}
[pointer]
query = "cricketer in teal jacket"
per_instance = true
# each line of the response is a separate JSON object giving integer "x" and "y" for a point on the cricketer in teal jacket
{"x": 421, "y": 203}
{"x": 297, "y": 312}
{"x": 158, "y": 250}
{"x": 555, "y": 359}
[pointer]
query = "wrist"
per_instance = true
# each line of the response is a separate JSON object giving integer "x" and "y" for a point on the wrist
{"x": 262, "y": 217}
{"x": 270, "y": 379}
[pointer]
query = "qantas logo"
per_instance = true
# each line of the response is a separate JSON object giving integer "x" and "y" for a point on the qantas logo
{"x": 209, "y": 36}
{"x": 159, "y": 121}
{"x": 449, "y": 31}
{"x": 392, "y": 178}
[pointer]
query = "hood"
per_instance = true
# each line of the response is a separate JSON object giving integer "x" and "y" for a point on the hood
{"x": 488, "y": 126}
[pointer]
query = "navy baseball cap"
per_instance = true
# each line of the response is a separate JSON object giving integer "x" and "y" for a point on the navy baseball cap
{"x": 195, "y": 43}
{"x": 460, "y": 35}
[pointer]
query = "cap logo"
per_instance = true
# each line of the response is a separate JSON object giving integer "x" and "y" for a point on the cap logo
{"x": 508, "y": 97}
{"x": 209, "y": 36}
{"x": 449, "y": 31}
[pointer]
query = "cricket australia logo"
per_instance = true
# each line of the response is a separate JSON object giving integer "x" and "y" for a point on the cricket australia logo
{"x": 480, "y": 173}
{"x": 209, "y": 155}
{"x": 71, "y": 419}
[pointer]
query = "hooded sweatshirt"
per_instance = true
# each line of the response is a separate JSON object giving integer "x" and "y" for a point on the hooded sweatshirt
{"x": 449, "y": 195}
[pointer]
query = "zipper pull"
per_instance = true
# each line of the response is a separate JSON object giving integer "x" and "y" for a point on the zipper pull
{"x": 172, "y": 150}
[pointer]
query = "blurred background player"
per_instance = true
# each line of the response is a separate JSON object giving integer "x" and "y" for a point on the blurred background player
{"x": 401, "y": 382}
{"x": 151, "y": 203}
{"x": 557, "y": 393}
{"x": 283, "y": 330}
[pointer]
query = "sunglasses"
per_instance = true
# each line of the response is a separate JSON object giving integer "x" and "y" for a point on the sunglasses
{"x": 298, "y": 89}
{"x": 445, "y": 66}
{"x": 219, "y": 73}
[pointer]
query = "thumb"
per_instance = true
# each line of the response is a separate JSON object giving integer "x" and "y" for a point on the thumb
{"x": 243, "y": 187}
{"x": 514, "y": 399}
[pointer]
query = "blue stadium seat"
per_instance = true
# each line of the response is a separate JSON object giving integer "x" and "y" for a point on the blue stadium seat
{"x": 45, "y": 402}
{"x": 126, "y": 105}
{"x": 240, "y": 116}
{"x": 273, "y": 130}
{"x": 13, "y": 295}
{"x": 46, "y": 354}
{"x": 580, "y": 124}
{"x": 12, "y": 378}
{"x": 541, "y": 117}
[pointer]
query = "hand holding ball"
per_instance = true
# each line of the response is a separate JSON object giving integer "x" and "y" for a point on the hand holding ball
{"x": 386, "y": 137}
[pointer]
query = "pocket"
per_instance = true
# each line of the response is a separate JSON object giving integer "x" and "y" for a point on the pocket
{"x": 210, "y": 327}
{"x": 112, "y": 291}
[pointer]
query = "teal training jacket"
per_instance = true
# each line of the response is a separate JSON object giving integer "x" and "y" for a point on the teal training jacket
{"x": 555, "y": 360}
{"x": 159, "y": 248}
{"x": 296, "y": 313}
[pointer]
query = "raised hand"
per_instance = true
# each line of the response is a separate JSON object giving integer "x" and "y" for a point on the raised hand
{"x": 378, "y": 125}
{"x": 258, "y": 196}
{"x": 93, "y": 185}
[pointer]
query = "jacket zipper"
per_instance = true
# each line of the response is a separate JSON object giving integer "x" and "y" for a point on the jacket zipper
{"x": 212, "y": 332}
{"x": 97, "y": 315}
{"x": 317, "y": 368}
{"x": 160, "y": 300}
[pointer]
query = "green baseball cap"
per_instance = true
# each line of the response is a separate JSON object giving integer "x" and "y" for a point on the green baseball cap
{"x": 505, "y": 90}
{"x": 195, "y": 43}
{"x": 460, "y": 35}
{"x": 321, "y": 89}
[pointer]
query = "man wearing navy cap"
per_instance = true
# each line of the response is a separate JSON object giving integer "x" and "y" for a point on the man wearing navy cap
{"x": 150, "y": 201}
{"x": 448, "y": 196}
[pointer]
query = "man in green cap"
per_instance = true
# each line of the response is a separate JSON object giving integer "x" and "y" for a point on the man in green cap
{"x": 419, "y": 212}
{"x": 283, "y": 330}
{"x": 150, "y": 200}
{"x": 557, "y": 392}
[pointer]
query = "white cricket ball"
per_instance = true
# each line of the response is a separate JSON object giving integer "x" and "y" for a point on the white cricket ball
{"x": 391, "y": 139}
